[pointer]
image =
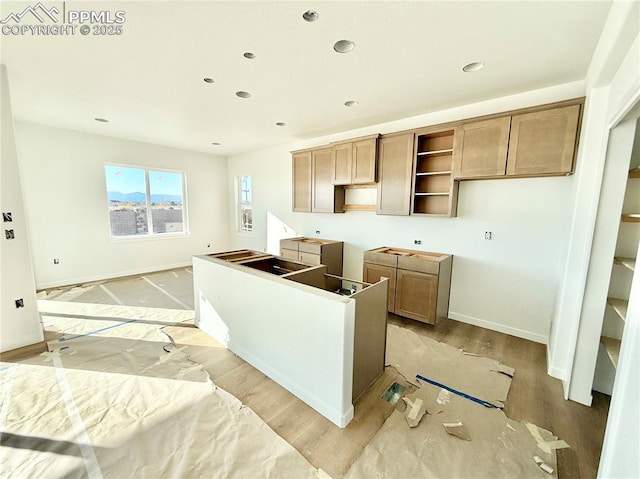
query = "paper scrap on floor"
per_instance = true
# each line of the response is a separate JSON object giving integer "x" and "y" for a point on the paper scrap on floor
{"x": 114, "y": 398}
{"x": 499, "y": 447}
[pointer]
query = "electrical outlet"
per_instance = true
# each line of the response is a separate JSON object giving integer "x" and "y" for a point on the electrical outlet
{"x": 20, "y": 303}
{"x": 56, "y": 260}
{"x": 488, "y": 235}
{"x": 417, "y": 241}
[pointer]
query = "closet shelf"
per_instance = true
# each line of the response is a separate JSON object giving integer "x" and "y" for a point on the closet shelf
{"x": 435, "y": 152}
{"x": 619, "y": 306}
{"x": 612, "y": 347}
{"x": 443, "y": 193}
{"x": 629, "y": 263}
{"x": 631, "y": 218}
{"x": 434, "y": 173}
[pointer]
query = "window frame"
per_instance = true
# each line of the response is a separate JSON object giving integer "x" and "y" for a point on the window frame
{"x": 149, "y": 235}
{"x": 240, "y": 228}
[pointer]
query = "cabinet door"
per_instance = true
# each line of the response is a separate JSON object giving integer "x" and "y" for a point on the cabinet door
{"x": 395, "y": 170}
{"x": 342, "y": 158}
{"x": 302, "y": 181}
{"x": 289, "y": 254}
{"x": 371, "y": 273}
{"x": 484, "y": 146}
{"x": 363, "y": 164}
{"x": 416, "y": 295}
{"x": 543, "y": 142}
{"x": 324, "y": 196}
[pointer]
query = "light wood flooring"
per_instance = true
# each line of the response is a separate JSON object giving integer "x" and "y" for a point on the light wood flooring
{"x": 534, "y": 397}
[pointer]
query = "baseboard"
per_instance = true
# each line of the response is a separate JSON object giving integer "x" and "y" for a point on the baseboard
{"x": 501, "y": 328}
{"x": 23, "y": 352}
{"x": 103, "y": 277}
{"x": 339, "y": 418}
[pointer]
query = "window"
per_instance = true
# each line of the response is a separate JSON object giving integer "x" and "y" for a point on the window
{"x": 245, "y": 220}
{"x": 144, "y": 202}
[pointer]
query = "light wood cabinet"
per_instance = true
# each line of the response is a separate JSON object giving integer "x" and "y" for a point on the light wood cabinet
{"x": 543, "y": 142}
{"x": 315, "y": 251}
{"x": 302, "y": 181}
{"x": 313, "y": 190}
{"x": 537, "y": 143}
{"x": 484, "y": 147}
{"x": 354, "y": 162}
{"x": 435, "y": 192}
{"x": 419, "y": 281}
{"x": 395, "y": 168}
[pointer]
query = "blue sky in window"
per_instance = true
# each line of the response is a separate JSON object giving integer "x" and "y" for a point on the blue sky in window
{"x": 164, "y": 183}
{"x": 125, "y": 180}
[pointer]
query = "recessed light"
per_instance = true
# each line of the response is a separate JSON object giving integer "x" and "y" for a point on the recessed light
{"x": 208, "y": 80}
{"x": 215, "y": 143}
{"x": 281, "y": 123}
{"x": 473, "y": 67}
{"x": 101, "y": 120}
{"x": 351, "y": 103}
{"x": 343, "y": 46}
{"x": 310, "y": 16}
{"x": 243, "y": 94}
{"x": 249, "y": 55}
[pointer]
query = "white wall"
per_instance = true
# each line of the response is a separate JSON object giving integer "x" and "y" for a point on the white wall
{"x": 65, "y": 197}
{"x": 18, "y": 327}
{"x": 508, "y": 284}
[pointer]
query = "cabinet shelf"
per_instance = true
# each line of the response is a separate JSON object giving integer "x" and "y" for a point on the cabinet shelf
{"x": 435, "y": 152}
{"x": 619, "y": 306}
{"x": 433, "y": 173}
{"x": 634, "y": 173}
{"x": 629, "y": 263}
{"x": 612, "y": 347}
{"x": 443, "y": 193}
{"x": 631, "y": 218}
{"x": 359, "y": 207}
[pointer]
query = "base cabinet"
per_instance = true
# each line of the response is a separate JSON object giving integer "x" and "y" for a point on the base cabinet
{"x": 315, "y": 251}
{"x": 419, "y": 281}
{"x": 416, "y": 295}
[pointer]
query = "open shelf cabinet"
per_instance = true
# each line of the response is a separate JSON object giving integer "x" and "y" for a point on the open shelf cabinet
{"x": 434, "y": 190}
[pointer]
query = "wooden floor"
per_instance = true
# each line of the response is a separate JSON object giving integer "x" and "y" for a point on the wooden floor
{"x": 534, "y": 397}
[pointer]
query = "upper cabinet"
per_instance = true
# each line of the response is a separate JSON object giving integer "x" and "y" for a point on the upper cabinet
{"x": 313, "y": 191}
{"x": 484, "y": 146}
{"x": 325, "y": 197}
{"x": 302, "y": 181}
{"x": 434, "y": 190}
{"x": 354, "y": 162}
{"x": 537, "y": 143}
{"x": 543, "y": 142}
{"x": 395, "y": 167}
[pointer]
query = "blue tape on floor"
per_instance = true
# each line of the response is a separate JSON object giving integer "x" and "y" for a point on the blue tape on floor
{"x": 455, "y": 391}
{"x": 90, "y": 333}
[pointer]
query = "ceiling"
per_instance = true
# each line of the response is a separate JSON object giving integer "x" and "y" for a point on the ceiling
{"x": 407, "y": 60}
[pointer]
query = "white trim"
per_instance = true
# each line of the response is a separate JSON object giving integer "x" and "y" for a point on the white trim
{"x": 118, "y": 274}
{"x": 340, "y": 420}
{"x": 501, "y": 328}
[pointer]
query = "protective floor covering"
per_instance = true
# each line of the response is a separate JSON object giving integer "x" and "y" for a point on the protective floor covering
{"x": 499, "y": 447}
{"x": 114, "y": 397}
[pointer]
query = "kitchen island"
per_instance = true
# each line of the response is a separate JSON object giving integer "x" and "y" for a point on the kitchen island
{"x": 325, "y": 346}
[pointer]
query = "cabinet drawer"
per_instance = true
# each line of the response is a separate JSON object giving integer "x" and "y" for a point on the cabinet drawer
{"x": 290, "y": 243}
{"x": 310, "y": 246}
{"x": 289, "y": 254}
{"x": 420, "y": 263}
{"x": 309, "y": 258}
{"x": 380, "y": 256}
